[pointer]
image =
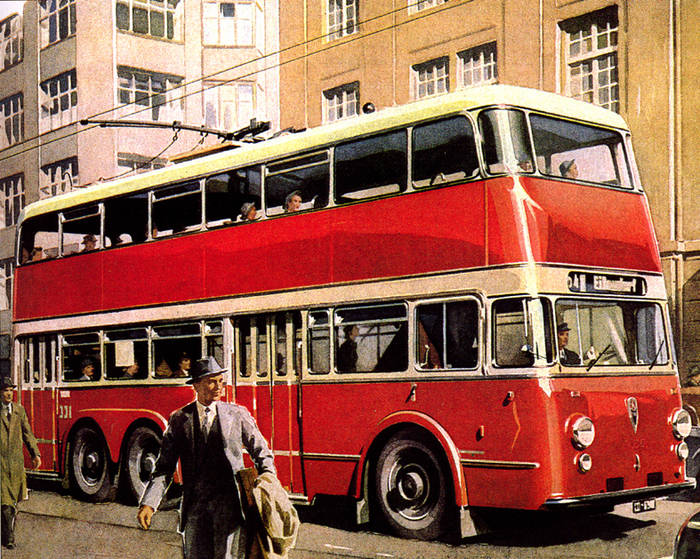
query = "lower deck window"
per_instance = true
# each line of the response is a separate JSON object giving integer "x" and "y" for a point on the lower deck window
{"x": 447, "y": 336}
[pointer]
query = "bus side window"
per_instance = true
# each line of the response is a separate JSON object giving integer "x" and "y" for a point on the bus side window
{"x": 307, "y": 177}
{"x": 448, "y": 335}
{"x": 443, "y": 151}
{"x": 81, "y": 230}
{"x": 511, "y": 334}
{"x": 177, "y": 208}
{"x": 371, "y": 338}
{"x": 319, "y": 342}
{"x": 39, "y": 238}
{"x": 370, "y": 167}
{"x": 126, "y": 354}
{"x": 227, "y": 192}
{"x": 243, "y": 346}
{"x": 214, "y": 338}
{"x": 81, "y": 357}
{"x": 175, "y": 348}
{"x": 126, "y": 219}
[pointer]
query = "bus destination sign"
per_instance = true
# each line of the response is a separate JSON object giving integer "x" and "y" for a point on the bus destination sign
{"x": 589, "y": 282}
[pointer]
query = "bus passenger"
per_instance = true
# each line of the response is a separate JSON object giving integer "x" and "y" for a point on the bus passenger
{"x": 347, "y": 352}
{"x": 87, "y": 369}
{"x": 130, "y": 372}
{"x": 248, "y": 212}
{"x": 292, "y": 203}
{"x": 184, "y": 362}
{"x": 569, "y": 169}
{"x": 566, "y": 356}
{"x": 90, "y": 242}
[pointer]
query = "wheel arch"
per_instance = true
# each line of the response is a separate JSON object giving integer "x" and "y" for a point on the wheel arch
{"x": 422, "y": 423}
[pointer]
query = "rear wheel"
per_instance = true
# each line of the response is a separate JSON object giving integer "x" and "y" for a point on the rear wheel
{"x": 142, "y": 451}
{"x": 89, "y": 465}
{"x": 411, "y": 487}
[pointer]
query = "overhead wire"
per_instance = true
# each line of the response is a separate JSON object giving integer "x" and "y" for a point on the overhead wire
{"x": 347, "y": 39}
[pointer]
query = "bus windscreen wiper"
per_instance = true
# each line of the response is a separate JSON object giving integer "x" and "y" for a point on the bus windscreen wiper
{"x": 592, "y": 363}
{"x": 658, "y": 352}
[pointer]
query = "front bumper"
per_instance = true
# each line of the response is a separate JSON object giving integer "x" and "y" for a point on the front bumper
{"x": 617, "y": 497}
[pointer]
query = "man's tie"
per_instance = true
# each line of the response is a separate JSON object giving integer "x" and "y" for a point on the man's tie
{"x": 205, "y": 427}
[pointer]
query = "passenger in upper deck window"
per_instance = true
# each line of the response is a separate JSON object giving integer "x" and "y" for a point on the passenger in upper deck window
{"x": 292, "y": 203}
{"x": 248, "y": 212}
{"x": 90, "y": 242}
{"x": 569, "y": 169}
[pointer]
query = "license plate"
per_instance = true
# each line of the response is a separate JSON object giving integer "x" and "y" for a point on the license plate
{"x": 644, "y": 505}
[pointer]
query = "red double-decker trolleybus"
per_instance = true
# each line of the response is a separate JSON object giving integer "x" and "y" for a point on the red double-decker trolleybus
{"x": 434, "y": 309}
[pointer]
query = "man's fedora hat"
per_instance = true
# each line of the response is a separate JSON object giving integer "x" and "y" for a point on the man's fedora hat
{"x": 6, "y": 382}
{"x": 563, "y": 327}
{"x": 205, "y": 367}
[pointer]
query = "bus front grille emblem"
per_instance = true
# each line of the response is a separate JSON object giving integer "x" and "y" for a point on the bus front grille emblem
{"x": 633, "y": 412}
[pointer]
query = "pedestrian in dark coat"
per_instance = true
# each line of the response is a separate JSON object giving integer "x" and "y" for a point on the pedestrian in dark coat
{"x": 15, "y": 432}
{"x": 208, "y": 437}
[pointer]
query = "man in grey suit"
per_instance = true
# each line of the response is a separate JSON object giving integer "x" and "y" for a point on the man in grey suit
{"x": 208, "y": 437}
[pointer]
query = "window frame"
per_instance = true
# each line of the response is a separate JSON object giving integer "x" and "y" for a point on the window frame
{"x": 12, "y": 111}
{"x": 47, "y": 15}
{"x": 49, "y": 186}
{"x": 468, "y": 62}
{"x": 12, "y": 40}
{"x": 176, "y": 12}
{"x": 55, "y": 116}
{"x": 338, "y": 23}
{"x": 235, "y": 24}
{"x": 173, "y": 105}
{"x": 432, "y": 78}
{"x": 12, "y": 198}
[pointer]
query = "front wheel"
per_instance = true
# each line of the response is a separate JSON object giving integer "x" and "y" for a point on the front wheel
{"x": 142, "y": 451}
{"x": 411, "y": 488}
{"x": 89, "y": 465}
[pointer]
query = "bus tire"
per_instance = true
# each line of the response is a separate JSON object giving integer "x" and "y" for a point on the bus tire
{"x": 89, "y": 466}
{"x": 411, "y": 487}
{"x": 142, "y": 451}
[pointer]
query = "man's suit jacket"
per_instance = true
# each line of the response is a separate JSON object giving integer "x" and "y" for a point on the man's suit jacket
{"x": 13, "y": 435}
{"x": 238, "y": 430}
{"x": 569, "y": 358}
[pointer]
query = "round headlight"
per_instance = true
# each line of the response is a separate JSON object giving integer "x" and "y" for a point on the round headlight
{"x": 682, "y": 450}
{"x": 584, "y": 463}
{"x": 682, "y": 424}
{"x": 583, "y": 432}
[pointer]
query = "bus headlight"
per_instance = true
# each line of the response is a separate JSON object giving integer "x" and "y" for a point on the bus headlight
{"x": 681, "y": 423}
{"x": 584, "y": 462}
{"x": 582, "y": 432}
{"x": 682, "y": 450}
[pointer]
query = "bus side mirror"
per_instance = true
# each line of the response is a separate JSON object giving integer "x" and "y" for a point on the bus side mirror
{"x": 688, "y": 539}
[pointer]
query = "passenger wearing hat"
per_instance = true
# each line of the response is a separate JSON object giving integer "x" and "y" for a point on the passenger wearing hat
{"x": 208, "y": 437}
{"x": 569, "y": 169}
{"x": 90, "y": 242}
{"x": 566, "y": 356}
{"x": 15, "y": 431}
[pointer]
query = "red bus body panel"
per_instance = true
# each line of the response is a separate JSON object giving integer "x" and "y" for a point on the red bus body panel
{"x": 502, "y": 221}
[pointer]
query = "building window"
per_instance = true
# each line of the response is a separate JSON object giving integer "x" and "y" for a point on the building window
{"x": 59, "y": 101}
{"x": 59, "y": 177}
{"x": 12, "y": 194}
{"x": 228, "y": 107}
{"x": 13, "y": 120}
{"x": 341, "y": 102}
{"x": 157, "y": 18}
{"x": 590, "y": 55}
{"x": 431, "y": 78}
{"x": 135, "y": 163}
{"x": 478, "y": 66}
{"x": 56, "y": 20}
{"x": 11, "y": 41}
{"x": 150, "y": 93}
{"x": 228, "y": 23}
{"x": 418, "y": 5}
{"x": 342, "y": 18}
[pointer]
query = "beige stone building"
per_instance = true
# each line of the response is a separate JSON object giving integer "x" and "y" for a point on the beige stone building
{"x": 201, "y": 62}
{"x": 640, "y": 58}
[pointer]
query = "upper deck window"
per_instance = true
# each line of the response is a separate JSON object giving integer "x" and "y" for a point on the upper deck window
{"x": 443, "y": 151}
{"x": 229, "y": 195}
{"x": 370, "y": 167}
{"x": 80, "y": 230}
{"x": 592, "y": 333}
{"x": 297, "y": 184}
{"x": 176, "y": 209}
{"x": 577, "y": 151}
{"x": 126, "y": 219}
{"x": 505, "y": 141}
{"x": 39, "y": 238}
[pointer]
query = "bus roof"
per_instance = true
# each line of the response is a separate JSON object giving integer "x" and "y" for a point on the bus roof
{"x": 471, "y": 98}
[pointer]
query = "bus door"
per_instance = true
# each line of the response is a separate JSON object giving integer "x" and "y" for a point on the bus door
{"x": 39, "y": 397}
{"x": 268, "y": 362}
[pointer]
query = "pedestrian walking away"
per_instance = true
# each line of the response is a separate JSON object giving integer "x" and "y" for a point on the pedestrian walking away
{"x": 15, "y": 432}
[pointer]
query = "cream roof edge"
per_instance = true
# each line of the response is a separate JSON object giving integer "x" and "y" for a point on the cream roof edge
{"x": 286, "y": 145}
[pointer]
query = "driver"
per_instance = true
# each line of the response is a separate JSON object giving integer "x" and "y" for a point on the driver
{"x": 566, "y": 356}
